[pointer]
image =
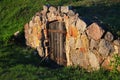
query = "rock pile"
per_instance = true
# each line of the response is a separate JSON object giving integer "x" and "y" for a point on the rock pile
{"x": 88, "y": 46}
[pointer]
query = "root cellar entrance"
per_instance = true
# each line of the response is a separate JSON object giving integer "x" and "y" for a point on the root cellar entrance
{"x": 56, "y": 36}
{"x": 63, "y": 36}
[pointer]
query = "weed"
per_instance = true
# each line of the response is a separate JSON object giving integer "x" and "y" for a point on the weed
{"x": 115, "y": 63}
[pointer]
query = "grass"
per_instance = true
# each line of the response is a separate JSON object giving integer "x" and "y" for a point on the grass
{"x": 18, "y": 62}
{"x": 24, "y": 65}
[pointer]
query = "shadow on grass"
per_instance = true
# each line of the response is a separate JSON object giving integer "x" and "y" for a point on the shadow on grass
{"x": 109, "y": 15}
{"x": 12, "y": 55}
{"x": 16, "y": 52}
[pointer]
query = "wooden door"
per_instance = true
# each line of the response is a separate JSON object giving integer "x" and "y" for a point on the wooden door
{"x": 57, "y": 35}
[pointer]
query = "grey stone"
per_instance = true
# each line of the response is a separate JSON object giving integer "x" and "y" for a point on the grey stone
{"x": 105, "y": 48}
{"x": 78, "y": 58}
{"x": 71, "y": 13}
{"x": 72, "y": 42}
{"x": 109, "y": 36}
{"x": 93, "y": 44}
{"x": 29, "y": 31}
{"x": 73, "y": 19}
{"x": 64, "y": 9}
{"x": 45, "y": 8}
{"x": 31, "y": 23}
{"x": 85, "y": 43}
{"x": 40, "y": 51}
{"x": 78, "y": 43}
{"x": 116, "y": 42}
{"x": 95, "y": 31}
{"x": 51, "y": 16}
{"x": 116, "y": 49}
{"x": 52, "y": 9}
{"x": 117, "y": 46}
{"x": 81, "y": 25}
{"x": 93, "y": 61}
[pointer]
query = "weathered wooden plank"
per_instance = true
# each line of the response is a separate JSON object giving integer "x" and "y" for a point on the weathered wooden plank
{"x": 61, "y": 43}
{"x": 57, "y": 43}
{"x": 56, "y": 33}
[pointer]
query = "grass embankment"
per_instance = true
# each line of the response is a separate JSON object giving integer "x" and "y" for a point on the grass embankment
{"x": 17, "y": 62}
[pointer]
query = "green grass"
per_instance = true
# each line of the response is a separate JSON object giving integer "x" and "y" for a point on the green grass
{"x": 17, "y": 62}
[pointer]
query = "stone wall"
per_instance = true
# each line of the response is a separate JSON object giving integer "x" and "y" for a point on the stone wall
{"x": 88, "y": 46}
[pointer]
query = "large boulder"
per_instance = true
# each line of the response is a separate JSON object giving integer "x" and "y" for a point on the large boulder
{"x": 95, "y": 31}
{"x": 105, "y": 48}
{"x": 79, "y": 58}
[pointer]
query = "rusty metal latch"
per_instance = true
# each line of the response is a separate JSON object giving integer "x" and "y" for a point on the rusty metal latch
{"x": 56, "y": 31}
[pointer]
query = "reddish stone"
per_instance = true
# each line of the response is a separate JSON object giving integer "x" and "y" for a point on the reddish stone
{"x": 26, "y": 26}
{"x": 85, "y": 42}
{"x": 34, "y": 31}
{"x": 95, "y": 31}
{"x": 67, "y": 35}
{"x": 39, "y": 36}
{"x": 100, "y": 59}
{"x": 83, "y": 50}
{"x": 73, "y": 31}
{"x": 106, "y": 64}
